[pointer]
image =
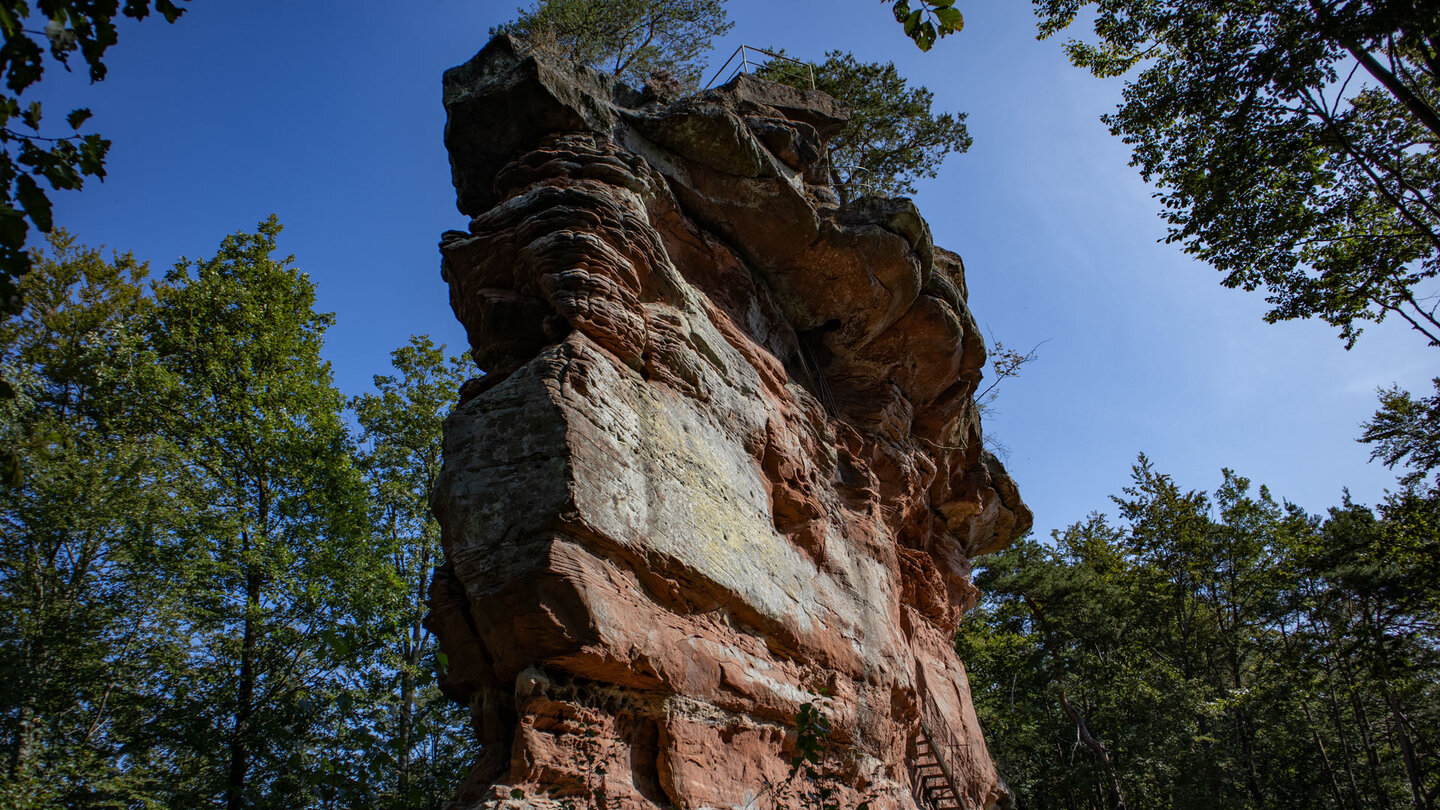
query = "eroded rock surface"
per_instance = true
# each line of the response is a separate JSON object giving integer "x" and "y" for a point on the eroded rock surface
{"x": 724, "y": 457}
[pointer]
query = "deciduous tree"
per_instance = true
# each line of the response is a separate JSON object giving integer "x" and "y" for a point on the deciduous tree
{"x": 86, "y": 602}
{"x": 1295, "y": 143}
{"x": 282, "y": 578}
{"x": 1406, "y": 433}
{"x": 401, "y": 426}
{"x": 62, "y": 161}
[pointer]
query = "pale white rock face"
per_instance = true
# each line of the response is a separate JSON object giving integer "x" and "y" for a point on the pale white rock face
{"x": 724, "y": 461}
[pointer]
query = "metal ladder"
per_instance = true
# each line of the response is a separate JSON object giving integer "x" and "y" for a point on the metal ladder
{"x": 934, "y": 786}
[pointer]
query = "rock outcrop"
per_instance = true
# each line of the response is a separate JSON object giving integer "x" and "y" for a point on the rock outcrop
{"x": 724, "y": 459}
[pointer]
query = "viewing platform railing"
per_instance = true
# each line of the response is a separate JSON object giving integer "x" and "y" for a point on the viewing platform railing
{"x": 747, "y": 65}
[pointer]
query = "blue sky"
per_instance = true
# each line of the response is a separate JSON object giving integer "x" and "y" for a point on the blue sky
{"x": 328, "y": 114}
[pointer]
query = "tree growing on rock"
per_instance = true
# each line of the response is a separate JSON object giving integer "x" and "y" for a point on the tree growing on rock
{"x": 892, "y": 138}
{"x": 628, "y": 38}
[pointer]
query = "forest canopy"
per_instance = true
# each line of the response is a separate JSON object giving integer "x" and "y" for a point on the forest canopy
{"x": 210, "y": 588}
{"x": 1218, "y": 649}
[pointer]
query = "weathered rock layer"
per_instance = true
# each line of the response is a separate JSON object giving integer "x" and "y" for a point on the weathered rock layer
{"x": 724, "y": 459}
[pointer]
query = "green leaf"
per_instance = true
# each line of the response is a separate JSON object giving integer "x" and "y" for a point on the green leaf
{"x": 925, "y": 36}
{"x": 168, "y": 10}
{"x": 12, "y": 227}
{"x": 8, "y": 22}
{"x": 31, "y": 116}
{"x": 32, "y": 198}
{"x": 912, "y": 24}
{"x": 77, "y": 117}
{"x": 951, "y": 20}
{"x": 93, "y": 149}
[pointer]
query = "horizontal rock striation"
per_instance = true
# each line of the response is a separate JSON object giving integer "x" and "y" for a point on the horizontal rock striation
{"x": 724, "y": 459}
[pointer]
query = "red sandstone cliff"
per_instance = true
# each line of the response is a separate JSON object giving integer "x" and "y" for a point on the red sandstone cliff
{"x": 724, "y": 457}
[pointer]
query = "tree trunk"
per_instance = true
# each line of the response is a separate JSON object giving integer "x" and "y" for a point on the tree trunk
{"x": 34, "y": 678}
{"x": 842, "y": 189}
{"x": 245, "y": 698}
{"x": 1372, "y": 757}
{"x": 1338, "y": 721}
{"x": 412, "y": 654}
{"x": 1324, "y": 755}
{"x": 1244, "y": 727}
{"x": 1096, "y": 747}
{"x": 25, "y": 734}
{"x": 1407, "y": 752}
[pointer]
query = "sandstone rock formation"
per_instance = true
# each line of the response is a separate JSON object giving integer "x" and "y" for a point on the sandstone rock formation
{"x": 724, "y": 458}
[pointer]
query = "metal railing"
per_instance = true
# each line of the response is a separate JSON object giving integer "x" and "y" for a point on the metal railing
{"x": 856, "y": 183}
{"x": 746, "y": 65}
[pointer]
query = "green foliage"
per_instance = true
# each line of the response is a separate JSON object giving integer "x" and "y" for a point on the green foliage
{"x": 934, "y": 19}
{"x": 812, "y": 759}
{"x": 422, "y": 731}
{"x": 817, "y": 772}
{"x": 84, "y": 613}
{"x": 628, "y": 38}
{"x": 892, "y": 137}
{"x": 60, "y": 28}
{"x": 281, "y": 578}
{"x": 1406, "y": 431}
{"x": 200, "y": 602}
{"x": 1294, "y": 145}
{"x": 1215, "y": 650}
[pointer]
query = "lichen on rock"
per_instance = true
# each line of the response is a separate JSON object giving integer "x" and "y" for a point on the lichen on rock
{"x": 724, "y": 458}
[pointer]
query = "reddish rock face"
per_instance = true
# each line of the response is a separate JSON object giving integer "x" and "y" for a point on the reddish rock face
{"x": 724, "y": 459}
